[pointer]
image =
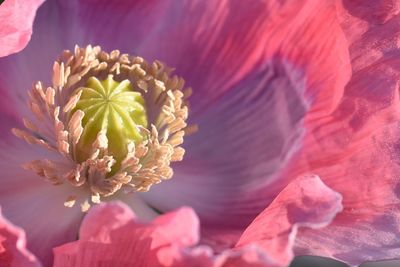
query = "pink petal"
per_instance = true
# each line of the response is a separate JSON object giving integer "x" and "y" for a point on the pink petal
{"x": 355, "y": 149}
{"x": 306, "y": 202}
{"x": 34, "y": 204}
{"x": 110, "y": 235}
{"x": 13, "y": 250}
{"x": 16, "y": 18}
{"x": 107, "y": 219}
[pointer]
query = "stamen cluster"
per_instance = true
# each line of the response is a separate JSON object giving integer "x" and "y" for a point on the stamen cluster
{"x": 57, "y": 125}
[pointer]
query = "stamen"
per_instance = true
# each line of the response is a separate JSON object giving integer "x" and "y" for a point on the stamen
{"x": 70, "y": 201}
{"x": 117, "y": 120}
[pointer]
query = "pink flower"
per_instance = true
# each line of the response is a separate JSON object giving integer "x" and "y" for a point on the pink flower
{"x": 282, "y": 90}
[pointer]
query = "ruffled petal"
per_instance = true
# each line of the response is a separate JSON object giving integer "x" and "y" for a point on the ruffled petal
{"x": 111, "y": 235}
{"x": 355, "y": 149}
{"x": 235, "y": 164}
{"x": 16, "y": 18}
{"x": 34, "y": 204}
{"x": 306, "y": 202}
{"x": 13, "y": 250}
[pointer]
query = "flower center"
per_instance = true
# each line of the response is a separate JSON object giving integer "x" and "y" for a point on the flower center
{"x": 111, "y": 122}
{"x": 113, "y": 108}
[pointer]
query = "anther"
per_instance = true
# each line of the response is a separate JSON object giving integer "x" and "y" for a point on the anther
{"x": 117, "y": 120}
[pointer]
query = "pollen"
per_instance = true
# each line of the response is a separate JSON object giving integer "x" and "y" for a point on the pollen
{"x": 111, "y": 123}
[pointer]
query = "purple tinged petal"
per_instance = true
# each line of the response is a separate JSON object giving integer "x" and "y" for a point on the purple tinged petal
{"x": 16, "y": 18}
{"x": 13, "y": 250}
{"x": 242, "y": 143}
{"x": 34, "y": 204}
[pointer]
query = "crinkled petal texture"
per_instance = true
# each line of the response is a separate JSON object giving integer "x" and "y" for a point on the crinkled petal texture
{"x": 16, "y": 19}
{"x": 306, "y": 202}
{"x": 13, "y": 252}
{"x": 111, "y": 235}
{"x": 355, "y": 150}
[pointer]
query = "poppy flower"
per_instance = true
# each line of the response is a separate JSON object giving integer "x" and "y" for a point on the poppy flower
{"x": 296, "y": 105}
